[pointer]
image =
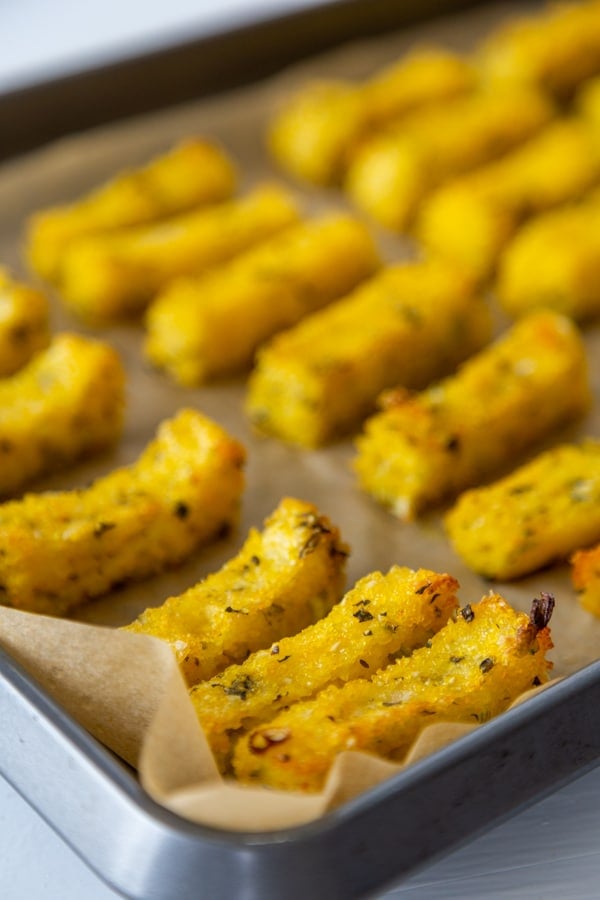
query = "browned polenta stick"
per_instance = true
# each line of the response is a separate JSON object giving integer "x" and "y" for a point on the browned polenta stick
{"x": 556, "y": 48}
{"x": 208, "y": 327}
{"x": 585, "y": 573}
{"x": 194, "y": 173}
{"x": 316, "y": 130}
{"x": 471, "y": 670}
{"x": 24, "y": 327}
{"x": 59, "y": 549}
{"x": 392, "y": 173}
{"x": 381, "y": 618}
{"x": 553, "y": 262}
{"x": 470, "y": 219}
{"x": 407, "y": 325}
{"x": 114, "y": 276}
{"x": 538, "y": 514}
{"x": 283, "y": 578}
{"x": 423, "y": 448}
{"x": 65, "y": 404}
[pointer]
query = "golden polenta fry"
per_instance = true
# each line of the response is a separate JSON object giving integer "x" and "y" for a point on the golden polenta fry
{"x": 283, "y": 578}
{"x": 314, "y": 133}
{"x": 381, "y": 618}
{"x": 24, "y": 326}
{"x": 555, "y": 49}
{"x": 554, "y": 262}
{"x": 587, "y": 102}
{"x": 585, "y": 574}
{"x": 537, "y": 515}
{"x": 393, "y": 172}
{"x": 65, "y": 404}
{"x": 107, "y": 277}
{"x": 207, "y": 327}
{"x": 194, "y": 173}
{"x": 469, "y": 220}
{"x": 409, "y": 324}
{"x": 59, "y": 549}
{"x": 471, "y": 670}
{"x": 425, "y": 447}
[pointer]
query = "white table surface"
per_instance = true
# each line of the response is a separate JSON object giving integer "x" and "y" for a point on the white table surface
{"x": 552, "y": 849}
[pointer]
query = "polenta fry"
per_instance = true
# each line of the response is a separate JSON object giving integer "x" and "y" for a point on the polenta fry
{"x": 108, "y": 277}
{"x": 537, "y": 515}
{"x": 555, "y": 49}
{"x": 391, "y": 174}
{"x": 409, "y": 324}
{"x": 24, "y": 326}
{"x": 194, "y": 173}
{"x": 316, "y": 130}
{"x": 554, "y": 262}
{"x": 59, "y": 549}
{"x": 65, "y": 404}
{"x": 585, "y": 574}
{"x": 381, "y": 618}
{"x": 208, "y": 327}
{"x": 423, "y": 448}
{"x": 471, "y": 670}
{"x": 469, "y": 220}
{"x": 283, "y": 578}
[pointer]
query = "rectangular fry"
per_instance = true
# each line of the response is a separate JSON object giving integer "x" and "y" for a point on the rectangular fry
{"x": 554, "y": 262}
{"x": 381, "y": 618}
{"x": 208, "y": 327}
{"x": 24, "y": 323}
{"x": 422, "y": 448}
{"x": 194, "y": 173}
{"x": 283, "y": 578}
{"x": 539, "y": 514}
{"x": 471, "y": 670}
{"x": 109, "y": 277}
{"x": 585, "y": 574}
{"x": 409, "y": 324}
{"x": 59, "y": 549}
{"x": 315, "y": 130}
{"x": 556, "y": 48}
{"x": 470, "y": 219}
{"x": 64, "y": 405}
{"x": 391, "y": 173}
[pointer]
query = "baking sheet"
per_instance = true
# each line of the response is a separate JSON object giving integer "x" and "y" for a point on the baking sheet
{"x": 324, "y": 477}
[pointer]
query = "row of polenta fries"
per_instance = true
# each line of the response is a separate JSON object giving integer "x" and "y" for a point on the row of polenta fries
{"x": 285, "y": 671}
{"x": 366, "y": 672}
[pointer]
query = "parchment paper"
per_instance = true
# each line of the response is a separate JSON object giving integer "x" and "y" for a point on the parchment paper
{"x": 126, "y": 688}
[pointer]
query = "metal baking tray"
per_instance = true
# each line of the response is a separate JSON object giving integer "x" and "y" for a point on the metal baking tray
{"x": 90, "y": 797}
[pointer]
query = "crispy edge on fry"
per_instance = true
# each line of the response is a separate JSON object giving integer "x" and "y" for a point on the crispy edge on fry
{"x": 537, "y": 515}
{"x": 471, "y": 670}
{"x": 554, "y": 262}
{"x": 204, "y": 328}
{"x": 391, "y": 173}
{"x": 585, "y": 575}
{"x": 555, "y": 49}
{"x": 282, "y": 579}
{"x": 425, "y": 447}
{"x": 409, "y": 324}
{"x": 59, "y": 549}
{"x": 381, "y": 618}
{"x": 470, "y": 219}
{"x": 65, "y": 404}
{"x": 194, "y": 173}
{"x": 314, "y": 133}
{"x": 113, "y": 276}
{"x": 24, "y": 323}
